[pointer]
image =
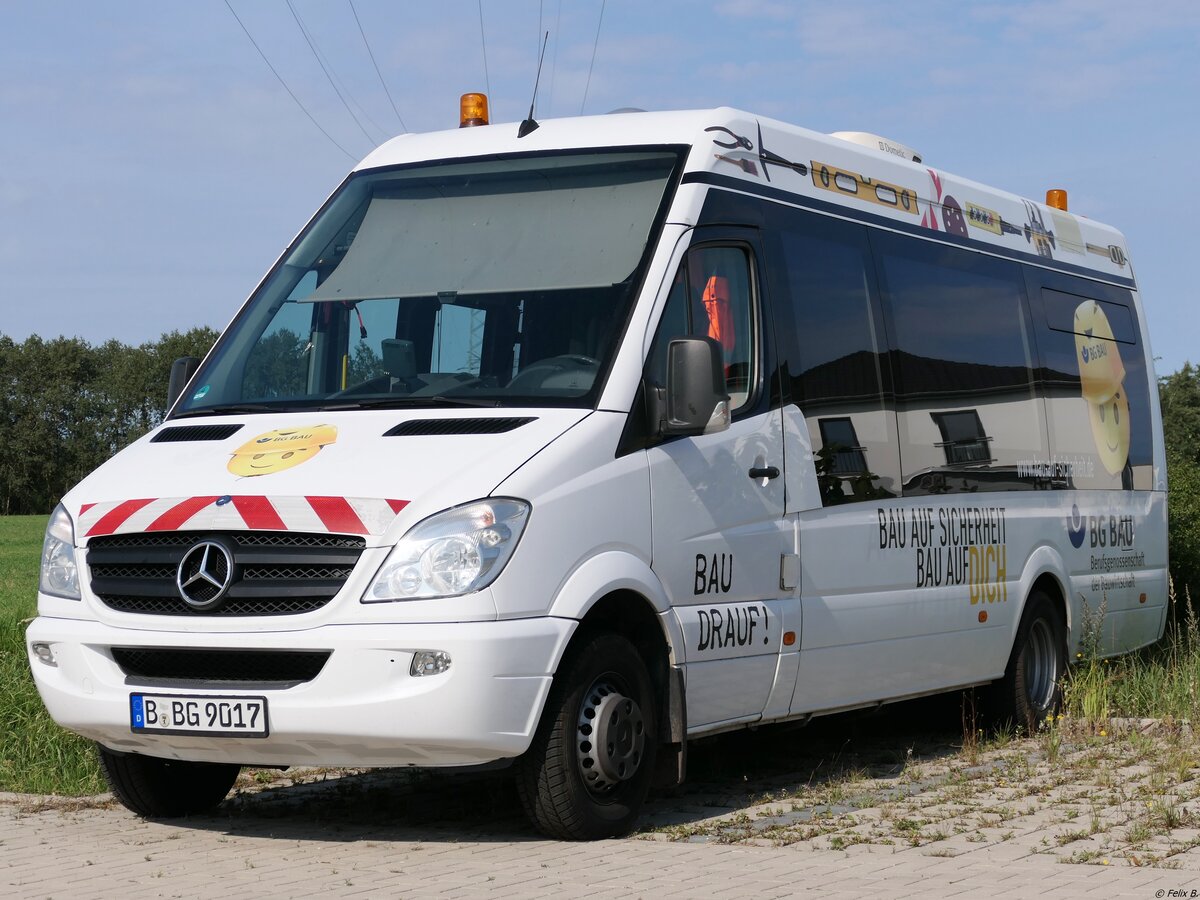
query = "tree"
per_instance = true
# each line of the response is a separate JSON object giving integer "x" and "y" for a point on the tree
{"x": 1179, "y": 395}
{"x": 66, "y": 406}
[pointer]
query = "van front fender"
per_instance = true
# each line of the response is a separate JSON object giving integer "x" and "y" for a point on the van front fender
{"x": 611, "y": 572}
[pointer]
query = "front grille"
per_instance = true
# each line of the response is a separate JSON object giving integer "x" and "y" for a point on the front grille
{"x": 274, "y": 573}
{"x": 275, "y": 667}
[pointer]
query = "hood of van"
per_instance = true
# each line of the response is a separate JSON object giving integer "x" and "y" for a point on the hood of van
{"x": 372, "y": 473}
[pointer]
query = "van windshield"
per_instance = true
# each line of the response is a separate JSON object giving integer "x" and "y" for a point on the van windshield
{"x": 491, "y": 282}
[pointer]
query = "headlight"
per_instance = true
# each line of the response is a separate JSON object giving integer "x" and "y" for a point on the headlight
{"x": 454, "y": 552}
{"x": 59, "y": 576}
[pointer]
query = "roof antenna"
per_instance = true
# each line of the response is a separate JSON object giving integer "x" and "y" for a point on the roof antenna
{"x": 529, "y": 125}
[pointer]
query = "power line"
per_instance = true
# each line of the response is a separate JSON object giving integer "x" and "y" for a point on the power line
{"x": 588, "y": 84}
{"x": 554, "y": 61}
{"x": 541, "y": 46}
{"x": 376, "y": 65}
{"x": 284, "y": 83}
{"x": 483, "y": 37}
{"x": 386, "y": 133}
{"x": 308, "y": 40}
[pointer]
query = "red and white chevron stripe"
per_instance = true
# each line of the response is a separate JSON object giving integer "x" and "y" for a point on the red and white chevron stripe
{"x": 342, "y": 515}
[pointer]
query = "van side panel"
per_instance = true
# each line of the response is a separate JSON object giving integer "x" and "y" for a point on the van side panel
{"x": 955, "y": 430}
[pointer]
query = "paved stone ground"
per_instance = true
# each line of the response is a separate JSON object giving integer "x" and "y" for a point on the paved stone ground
{"x": 108, "y": 853}
{"x": 852, "y": 808}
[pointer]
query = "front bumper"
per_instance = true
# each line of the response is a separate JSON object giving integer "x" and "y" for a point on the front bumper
{"x": 363, "y": 709}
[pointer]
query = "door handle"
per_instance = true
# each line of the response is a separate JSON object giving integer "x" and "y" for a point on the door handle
{"x": 768, "y": 472}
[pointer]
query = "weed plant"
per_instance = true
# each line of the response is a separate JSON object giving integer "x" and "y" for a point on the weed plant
{"x": 1161, "y": 681}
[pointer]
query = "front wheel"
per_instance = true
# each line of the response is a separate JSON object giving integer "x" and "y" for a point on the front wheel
{"x": 166, "y": 788}
{"x": 587, "y": 772}
{"x": 1031, "y": 690}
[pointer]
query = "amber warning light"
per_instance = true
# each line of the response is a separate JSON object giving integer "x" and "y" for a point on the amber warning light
{"x": 472, "y": 110}
{"x": 1057, "y": 198}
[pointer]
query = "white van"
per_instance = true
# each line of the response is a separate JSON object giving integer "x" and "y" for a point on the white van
{"x": 568, "y": 448}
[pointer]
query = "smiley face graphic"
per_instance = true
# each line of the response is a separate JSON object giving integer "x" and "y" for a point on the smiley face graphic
{"x": 280, "y": 449}
{"x": 1096, "y": 352}
{"x": 1101, "y": 374}
{"x": 1110, "y": 430}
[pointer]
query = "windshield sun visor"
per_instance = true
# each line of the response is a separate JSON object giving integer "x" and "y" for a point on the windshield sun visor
{"x": 551, "y": 229}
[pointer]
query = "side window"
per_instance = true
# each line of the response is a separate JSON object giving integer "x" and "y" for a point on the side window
{"x": 835, "y": 357}
{"x": 968, "y": 414}
{"x": 712, "y": 296}
{"x": 1096, "y": 387}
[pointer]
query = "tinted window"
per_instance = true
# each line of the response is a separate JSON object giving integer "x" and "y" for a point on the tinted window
{"x": 968, "y": 415}
{"x": 835, "y": 325}
{"x": 1095, "y": 383}
{"x": 1062, "y": 315}
{"x": 957, "y": 319}
{"x": 834, "y": 355}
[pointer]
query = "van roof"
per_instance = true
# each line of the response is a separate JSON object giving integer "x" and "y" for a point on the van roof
{"x": 737, "y": 150}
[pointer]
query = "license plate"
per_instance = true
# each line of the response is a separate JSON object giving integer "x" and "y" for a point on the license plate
{"x": 198, "y": 714}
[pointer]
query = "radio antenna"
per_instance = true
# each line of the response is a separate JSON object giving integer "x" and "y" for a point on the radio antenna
{"x": 529, "y": 125}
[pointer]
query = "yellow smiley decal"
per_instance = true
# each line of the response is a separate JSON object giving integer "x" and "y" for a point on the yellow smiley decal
{"x": 1101, "y": 373}
{"x": 280, "y": 449}
{"x": 1096, "y": 351}
{"x": 1110, "y": 430}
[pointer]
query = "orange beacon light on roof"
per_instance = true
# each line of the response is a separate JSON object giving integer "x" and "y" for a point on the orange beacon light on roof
{"x": 472, "y": 110}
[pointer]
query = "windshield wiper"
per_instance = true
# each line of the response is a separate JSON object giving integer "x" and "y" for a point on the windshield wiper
{"x": 400, "y": 402}
{"x": 229, "y": 409}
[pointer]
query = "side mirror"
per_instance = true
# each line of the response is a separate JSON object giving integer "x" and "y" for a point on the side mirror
{"x": 696, "y": 400}
{"x": 182, "y": 371}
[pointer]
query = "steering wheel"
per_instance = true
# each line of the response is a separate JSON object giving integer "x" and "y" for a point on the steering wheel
{"x": 535, "y": 375}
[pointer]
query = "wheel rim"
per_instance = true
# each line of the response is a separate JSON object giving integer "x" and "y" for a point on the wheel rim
{"x": 1041, "y": 665}
{"x": 610, "y": 737}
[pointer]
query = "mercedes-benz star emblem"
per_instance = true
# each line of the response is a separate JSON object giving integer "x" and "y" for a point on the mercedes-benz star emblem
{"x": 204, "y": 575}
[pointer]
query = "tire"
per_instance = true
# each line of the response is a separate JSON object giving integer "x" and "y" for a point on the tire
{"x": 166, "y": 788}
{"x": 587, "y": 772}
{"x": 1031, "y": 690}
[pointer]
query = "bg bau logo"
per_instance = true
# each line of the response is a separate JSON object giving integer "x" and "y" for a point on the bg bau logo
{"x": 1110, "y": 531}
{"x": 1094, "y": 351}
{"x": 1076, "y": 527}
{"x": 1102, "y": 531}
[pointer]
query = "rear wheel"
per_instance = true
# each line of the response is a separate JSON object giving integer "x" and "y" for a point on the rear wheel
{"x": 587, "y": 772}
{"x": 166, "y": 788}
{"x": 1031, "y": 690}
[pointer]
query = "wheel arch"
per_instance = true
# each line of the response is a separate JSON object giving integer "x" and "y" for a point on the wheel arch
{"x": 618, "y": 590}
{"x": 619, "y": 593}
{"x": 1045, "y": 572}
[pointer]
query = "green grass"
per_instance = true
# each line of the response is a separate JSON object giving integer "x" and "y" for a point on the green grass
{"x": 1159, "y": 682}
{"x": 36, "y": 756}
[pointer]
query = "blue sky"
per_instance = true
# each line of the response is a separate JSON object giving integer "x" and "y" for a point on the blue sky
{"x": 152, "y": 168}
